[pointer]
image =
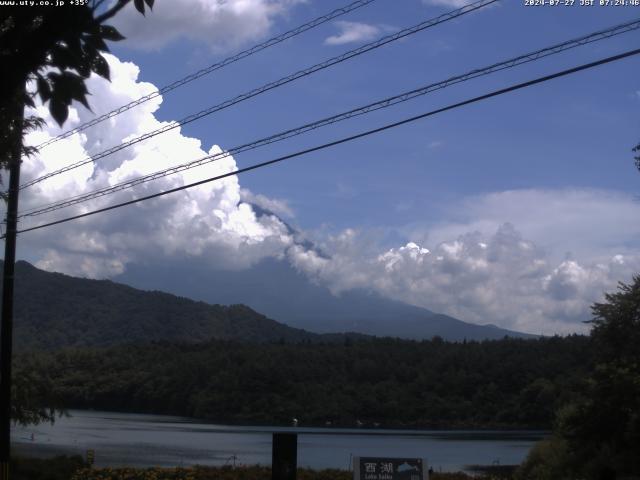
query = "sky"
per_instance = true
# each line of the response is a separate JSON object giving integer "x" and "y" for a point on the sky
{"x": 519, "y": 211}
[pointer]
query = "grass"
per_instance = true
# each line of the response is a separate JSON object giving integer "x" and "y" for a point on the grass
{"x": 228, "y": 473}
{"x": 243, "y": 473}
{"x": 58, "y": 468}
{"x": 74, "y": 468}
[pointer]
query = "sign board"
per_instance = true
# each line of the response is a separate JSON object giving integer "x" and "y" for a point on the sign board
{"x": 379, "y": 468}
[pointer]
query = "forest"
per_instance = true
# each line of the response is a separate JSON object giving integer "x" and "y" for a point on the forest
{"x": 584, "y": 388}
{"x": 509, "y": 383}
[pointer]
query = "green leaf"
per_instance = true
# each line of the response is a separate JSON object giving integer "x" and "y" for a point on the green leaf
{"x": 63, "y": 58}
{"x": 81, "y": 97}
{"x": 90, "y": 54}
{"x": 61, "y": 89}
{"x": 101, "y": 67}
{"x": 84, "y": 66}
{"x": 75, "y": 45}
{"x": 139, "y": 4}
{"x": 110, "y": 33}
{"x": 59, "y": 110}
{"x": 67, "y": 87}
{"x": 96, "y": 42}
{"x": 43, "y": 88}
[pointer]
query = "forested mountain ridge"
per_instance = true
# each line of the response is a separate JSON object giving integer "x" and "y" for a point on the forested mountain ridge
{"x": 276, "y": 288}
{"x": 54, "y": 310}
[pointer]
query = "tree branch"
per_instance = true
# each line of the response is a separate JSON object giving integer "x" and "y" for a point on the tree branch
{"x": 112, "y": 11}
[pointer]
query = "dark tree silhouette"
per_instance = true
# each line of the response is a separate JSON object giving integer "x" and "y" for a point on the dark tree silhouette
{"x": 604, "y": 430}
{"x": 637, "y": 158}
{"x": 599, "y": 434}
{"x": 57, "y": 48}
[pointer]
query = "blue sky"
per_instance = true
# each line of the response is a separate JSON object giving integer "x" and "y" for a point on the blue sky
{"x": 576, "y": 131}
{"x": 522, "y": 202}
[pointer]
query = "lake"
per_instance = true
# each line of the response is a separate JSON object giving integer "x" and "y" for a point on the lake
{"x": 156, "y": 440}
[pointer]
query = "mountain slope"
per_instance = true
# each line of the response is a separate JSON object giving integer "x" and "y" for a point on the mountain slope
{"x": 53, "y": 310}
{"x": 278, "y": 290}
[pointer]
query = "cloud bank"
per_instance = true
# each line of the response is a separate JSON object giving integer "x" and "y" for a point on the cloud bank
{"x": 530, "y": 260}
{"x": 589, "y": 223}
{"x": 499, "y": 278}
{"x": 209, "y": 222}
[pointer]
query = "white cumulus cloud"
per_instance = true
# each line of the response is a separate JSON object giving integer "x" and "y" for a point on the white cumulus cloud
{"x": 352, "y": 32}
{"x": 589, "y": 223}
{"x": 499, "y": 277}
{"x": 210, "y": 222}
{"x": 219, "y": 24}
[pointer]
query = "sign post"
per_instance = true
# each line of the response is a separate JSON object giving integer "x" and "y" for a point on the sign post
{"x": 382, "y": 468}
{"x": 284, "y": 456}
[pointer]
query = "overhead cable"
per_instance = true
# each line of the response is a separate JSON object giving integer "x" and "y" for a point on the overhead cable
{"x": 275, "y": 84}
{"x": 385, "y": 103}
{"x": 338, "y": 12}
{"x": 345, "y": 139}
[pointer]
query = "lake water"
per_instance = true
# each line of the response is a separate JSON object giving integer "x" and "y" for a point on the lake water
{"x": 154, "y": 440}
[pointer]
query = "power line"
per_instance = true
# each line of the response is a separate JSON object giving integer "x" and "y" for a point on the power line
{"x": 338, "y": 12}
{"x": 282, "y": 81}
{"x": 347, "y": 139}
{"x": 270, "y": 86}
{"x": 385, "y": 103}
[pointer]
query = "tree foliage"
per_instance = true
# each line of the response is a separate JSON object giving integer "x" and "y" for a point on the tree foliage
{"x": 389, "y": 382}
{"x": 57, "y": 48}
{"x": 53, "y": 310}
{"x": 601, "y": 430}
{"x": 546, "y": 461}
{"x": 33, "y": 393}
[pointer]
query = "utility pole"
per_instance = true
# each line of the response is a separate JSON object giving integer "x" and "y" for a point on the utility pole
{"x": 6, "y": 327}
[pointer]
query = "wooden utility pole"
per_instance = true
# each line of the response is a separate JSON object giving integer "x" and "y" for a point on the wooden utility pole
{"x": 6, "y": 326}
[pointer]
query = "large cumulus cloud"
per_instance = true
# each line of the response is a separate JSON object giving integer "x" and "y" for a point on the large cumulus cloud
{"x": 210, "y": 222}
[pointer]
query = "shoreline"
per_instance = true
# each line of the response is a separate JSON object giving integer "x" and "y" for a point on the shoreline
{"x": 230, "y": 427}
{"x": 142, "y": 441}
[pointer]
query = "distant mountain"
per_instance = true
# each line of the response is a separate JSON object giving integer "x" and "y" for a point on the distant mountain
{"x": 276, "y": 289}
{"x": 53, "y": 310}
